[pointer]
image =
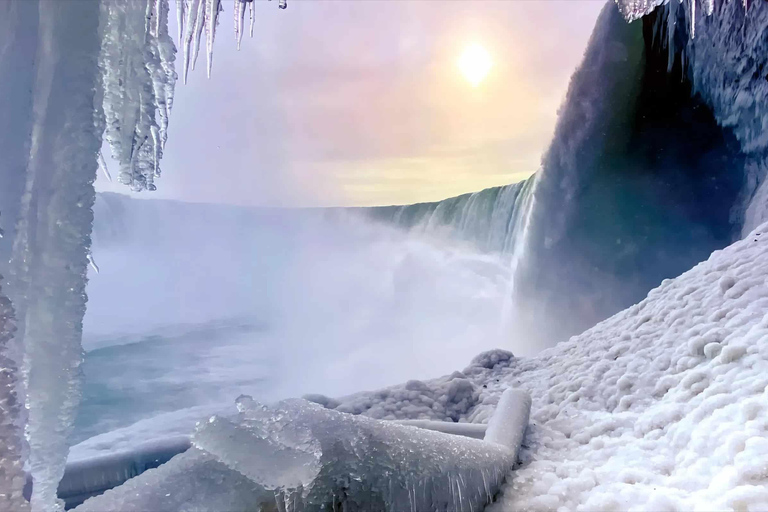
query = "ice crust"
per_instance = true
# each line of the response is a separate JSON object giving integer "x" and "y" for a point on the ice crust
{"x": 299, "y": 456}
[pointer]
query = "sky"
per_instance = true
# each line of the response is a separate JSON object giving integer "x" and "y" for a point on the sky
{"x": 362, "y": 102}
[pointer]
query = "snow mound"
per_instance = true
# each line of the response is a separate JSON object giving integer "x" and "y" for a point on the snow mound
{"x": 447, "y": 398}
{"x": 661, "y": 407}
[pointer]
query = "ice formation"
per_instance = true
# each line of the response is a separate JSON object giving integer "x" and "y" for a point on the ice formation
{"x": 12, "y": 475}
{"x": 52, "y": 235}
{"x": 719, "y": 50}
{"x": 136, "y": 62}
{"x": 309, "y": 458}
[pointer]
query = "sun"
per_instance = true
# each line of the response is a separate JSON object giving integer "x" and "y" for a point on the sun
{"x": 475, "y": 63}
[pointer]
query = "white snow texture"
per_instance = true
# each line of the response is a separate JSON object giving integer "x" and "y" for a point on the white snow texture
{"x": 662, "y": 407}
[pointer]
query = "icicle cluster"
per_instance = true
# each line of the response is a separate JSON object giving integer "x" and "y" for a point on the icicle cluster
{"x": 718, "y": 52}
{"x": 136, "y": 62}
{"x": 12, "y": 475}
{"x": 636, "y": 9}
{"x": 194, "y": 16}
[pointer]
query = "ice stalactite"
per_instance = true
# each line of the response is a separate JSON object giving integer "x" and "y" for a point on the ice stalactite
{"x": 104, "y": 168}
{"x": 52, "y": 239}
{"x": 12, "y": 475}
{"x": 213, "y": 8}
{"x": 138, "y": 76}
{"x": 252, "y": 17}
{"x": 239, "y": 11}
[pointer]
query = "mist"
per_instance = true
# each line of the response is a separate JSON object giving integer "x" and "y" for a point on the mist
{"x": 195, "y": 304}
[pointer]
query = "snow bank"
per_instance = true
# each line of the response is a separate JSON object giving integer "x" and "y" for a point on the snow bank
{"x": 662, "y": 407}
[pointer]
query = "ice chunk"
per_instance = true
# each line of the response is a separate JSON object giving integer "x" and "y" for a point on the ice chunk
{"x": 311, "y": 458}
{"x": 368, "y": 464}
{"x": 286, "y": 459}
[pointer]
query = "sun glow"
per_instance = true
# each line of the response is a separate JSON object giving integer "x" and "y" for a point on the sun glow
{"x": 475, "y": 63}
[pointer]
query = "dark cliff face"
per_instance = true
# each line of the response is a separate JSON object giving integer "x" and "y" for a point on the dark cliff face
{"x": 645, "y": 196}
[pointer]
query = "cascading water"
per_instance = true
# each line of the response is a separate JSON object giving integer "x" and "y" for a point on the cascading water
{"x": 491, "y": 219}
{"x": 651, "y": 168}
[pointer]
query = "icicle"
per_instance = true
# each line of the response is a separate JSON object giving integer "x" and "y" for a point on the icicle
{"x": 198, "y": 32}
{"x": 103, "y": 167}
{"x": 239, "y": 11}
{"x": 189, "y": 33}
{"x": 92, "y": 263}
{"x": 252, "y": 14}
{"x": 180, "y": 18}
{"x": 155, "y": 151}
{"x": 210, "y": 25}
{"x": 693, "y": 19}
{"x": 158, "y": 18}
{"x": 282, "y": 4}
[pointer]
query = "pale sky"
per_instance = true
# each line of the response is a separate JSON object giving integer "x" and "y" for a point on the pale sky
{"x": 361, "y": 102}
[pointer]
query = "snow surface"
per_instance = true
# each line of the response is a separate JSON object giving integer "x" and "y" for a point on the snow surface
{"x": 664, "y": 406}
